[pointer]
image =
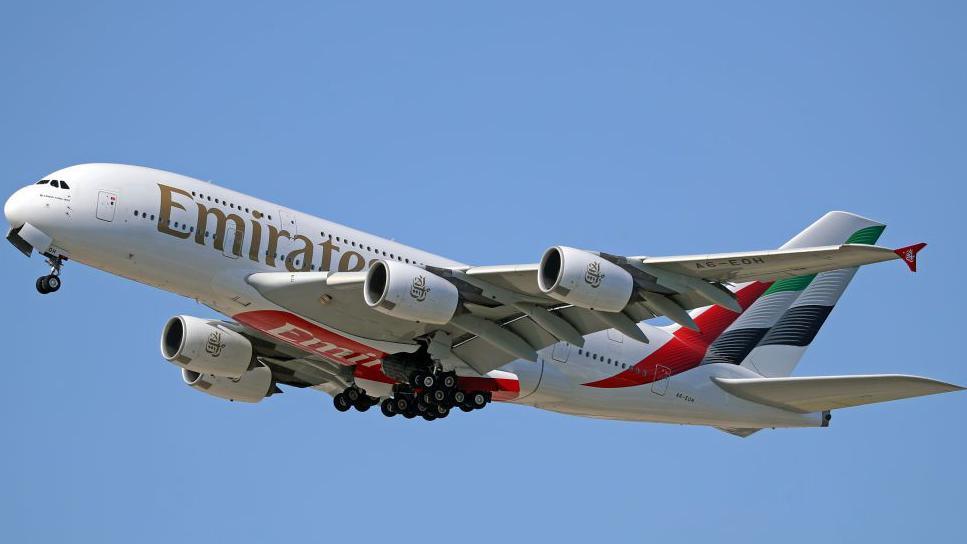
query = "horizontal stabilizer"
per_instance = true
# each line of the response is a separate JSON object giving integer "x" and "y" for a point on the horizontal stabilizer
{"x": 818, "y": 393}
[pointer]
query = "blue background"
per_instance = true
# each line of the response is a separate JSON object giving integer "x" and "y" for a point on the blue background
{"x": 487, "y": 133}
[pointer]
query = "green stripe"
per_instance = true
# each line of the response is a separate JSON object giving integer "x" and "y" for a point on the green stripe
{"x": 790, "y": 284}
{"x": 869, "y": 235}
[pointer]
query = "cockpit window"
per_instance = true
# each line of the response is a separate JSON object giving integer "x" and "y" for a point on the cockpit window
{"x": 54, "y": 183}
{"x": 63, "y": 185}
{"x": 43, "y": 182}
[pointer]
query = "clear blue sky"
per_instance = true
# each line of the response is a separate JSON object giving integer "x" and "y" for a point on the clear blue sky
{"x": 487, "y": 133}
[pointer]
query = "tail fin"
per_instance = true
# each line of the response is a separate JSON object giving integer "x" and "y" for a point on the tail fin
{"x": 771, "y": 335}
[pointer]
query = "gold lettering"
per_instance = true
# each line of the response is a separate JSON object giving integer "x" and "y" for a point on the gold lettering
{"x": 359, "y": 263}
{"x": 327, "y": 248}
{"x": 305, "y": 252}
{"x": 274, "y": 235}
{"x": 164, "y": 216}
{"x": 219, "y": 235}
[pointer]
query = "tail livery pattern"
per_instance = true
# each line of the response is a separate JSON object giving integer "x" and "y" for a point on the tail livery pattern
{"x": 792, "y": 310}
{"x": 780, "y": 350}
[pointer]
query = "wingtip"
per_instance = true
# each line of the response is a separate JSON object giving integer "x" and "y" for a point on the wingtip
{"x": 909, "y": 254}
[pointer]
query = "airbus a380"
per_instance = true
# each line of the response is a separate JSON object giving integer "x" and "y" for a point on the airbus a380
{"x": 314, "y": 304}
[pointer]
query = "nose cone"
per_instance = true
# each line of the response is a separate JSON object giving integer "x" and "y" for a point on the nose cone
{"x": 15, "y": 208}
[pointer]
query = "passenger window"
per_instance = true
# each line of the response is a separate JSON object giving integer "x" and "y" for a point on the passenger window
{"x": 135, "y": 213}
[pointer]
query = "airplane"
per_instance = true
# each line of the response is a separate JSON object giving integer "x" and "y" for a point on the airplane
{"x": 314, "y": 304}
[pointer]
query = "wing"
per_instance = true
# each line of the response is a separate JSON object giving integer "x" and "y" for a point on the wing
{"x": 504, "y": 313}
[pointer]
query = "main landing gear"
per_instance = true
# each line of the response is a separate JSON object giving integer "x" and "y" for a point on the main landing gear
{"x": 51, "y": 282}
{"x": 431, "y": 395}
{"x": 353, "y": 397}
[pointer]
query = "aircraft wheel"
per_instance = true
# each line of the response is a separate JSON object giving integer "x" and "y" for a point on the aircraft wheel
{"x": 41, "y": 285}
{"x": 459, "y": 397}
{"x": 53, "y": 283}
{"x": 428, "y": 381}
{"x": 341, "y": 402}
{"x": 363, "y": 404}
{"x": 478, "y": 400}
{"x": 352, "y": 394}
{"x": 449, "y": 380}
{"x": 387, "y": 408}
{"x": 402, "y": 404}
{"x": 429, "y": 416}
{"x": 439, "y": 395}
{"x": 466, "y": 407}
{"x": 442, "y": 411}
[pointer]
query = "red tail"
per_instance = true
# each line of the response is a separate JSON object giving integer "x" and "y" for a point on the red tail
{"x": 909, "y": 254}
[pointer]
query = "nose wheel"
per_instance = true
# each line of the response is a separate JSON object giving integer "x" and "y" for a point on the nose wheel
{"x": 51, "y": 282}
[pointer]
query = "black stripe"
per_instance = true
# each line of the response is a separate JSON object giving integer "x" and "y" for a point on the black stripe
{"x": 733, "y": 346}
{"x": 798, "y": 326}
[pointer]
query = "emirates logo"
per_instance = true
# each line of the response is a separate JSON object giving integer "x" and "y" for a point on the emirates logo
{"x": 593, "y": 275}
{"x": 909, "y": 256}
{"x": 214, "y": 345}
{"x": 419, "y": 290}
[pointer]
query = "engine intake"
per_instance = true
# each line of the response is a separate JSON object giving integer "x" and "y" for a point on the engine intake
{"x": 252, "y": 386}
{"x": 584, "y": 279}
{"x": 409, "y": 292}
{"x": 206, "y": 347}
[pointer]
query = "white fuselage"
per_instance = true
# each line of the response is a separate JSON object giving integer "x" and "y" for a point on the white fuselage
{"x": 143, "y": 224}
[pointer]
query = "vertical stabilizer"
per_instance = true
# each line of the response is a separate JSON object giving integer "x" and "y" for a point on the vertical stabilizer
{"x": 768, "y": 322}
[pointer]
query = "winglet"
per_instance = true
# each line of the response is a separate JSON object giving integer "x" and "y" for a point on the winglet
{"x": 909, "y": 254}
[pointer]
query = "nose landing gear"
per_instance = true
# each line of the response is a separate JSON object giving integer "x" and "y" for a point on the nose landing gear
{"x": 51, "y": 282}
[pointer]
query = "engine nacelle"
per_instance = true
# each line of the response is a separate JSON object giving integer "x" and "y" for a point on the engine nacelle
{"x": 205, "y": 346}
{"x": 584, "y": 279}
{"x": 252, "y": 386}
{"x": 409, "y": 292}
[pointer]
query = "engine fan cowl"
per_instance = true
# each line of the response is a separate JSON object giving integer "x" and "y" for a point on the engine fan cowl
{"x": 409, "y": 292}
{"x": 584, "y": 279}
{"x": 205, "y": 346}
{"x": 252, "y": 386}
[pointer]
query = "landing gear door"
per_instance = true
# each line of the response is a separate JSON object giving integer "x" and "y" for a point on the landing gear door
{"x": 107, "y": 203}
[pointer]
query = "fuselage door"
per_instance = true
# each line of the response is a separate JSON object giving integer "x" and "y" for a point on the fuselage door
{"x": 288, "y": 224}
{"x": 107, "y": 203}
{"x": 662, "y": 375}
{"x": 561, "y": 351}
{"x": 228, "y": 244}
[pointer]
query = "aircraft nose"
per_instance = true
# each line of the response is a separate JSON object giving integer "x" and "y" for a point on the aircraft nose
{"x": 15, "y": 209}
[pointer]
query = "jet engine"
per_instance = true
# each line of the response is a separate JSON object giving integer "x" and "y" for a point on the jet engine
{"x": 409, "y": 292}
{"x": 584, "y": 279}
{"x": 205, "y": 346}
{"x": 252, "y": 386}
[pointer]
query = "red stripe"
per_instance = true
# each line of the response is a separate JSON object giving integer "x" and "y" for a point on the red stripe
{"x": 686, "y": 347}
{"x": 308, "y": 337}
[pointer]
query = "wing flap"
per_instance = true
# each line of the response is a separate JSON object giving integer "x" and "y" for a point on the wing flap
{"x": 818, "y": 393}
